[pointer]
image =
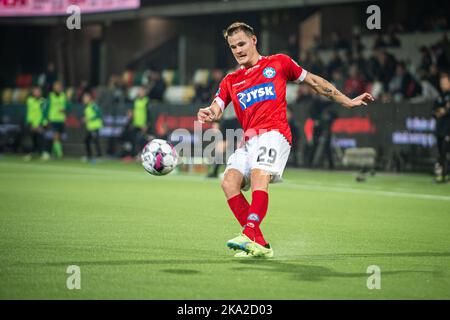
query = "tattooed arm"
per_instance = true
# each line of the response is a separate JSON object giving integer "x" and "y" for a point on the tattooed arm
{"x": 323, "y": 87}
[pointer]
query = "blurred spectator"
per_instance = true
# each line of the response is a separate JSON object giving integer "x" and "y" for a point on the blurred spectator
{"x": 376, "y": 88}
{"x": 112, "y": 99}
{"x": 51, "y": 76}
{"x": 379, "y": 42}
{"x": 317, "y": 45}
{"x": 381, "y": 66}
{"x": 313, "y": 63}
{"x": 81, "y": 90}
{"x": 139, "y": 121}
{"x": 157, "y": 86}
{"x": 354, "y": 84}
{"x": 339, "y": 42}
{"x": 34, "y": 121}
{"x": 357, "y": 46}
{"x": 216, "y": 77}
{"x": 403, "y": 85}
{"x": 295, "y": 130}
{"x": 293, "y": 46}
{"x": 426, "y": 59}
{"x": 357, "y": 59}
{"x": 202, "y": 92}
{"x": 393, "y": 40}
{"x": 57, "y": 109}
{"x": 323, "y": 117}
{"x": 442, "y": 52}
{"x": 93, "y": 122}
{"x": 337, "y": 79}
{"x": 428, "y": 91}
{"x": 441, "y": 111}
{"x": 230, "y": 123}
{"x": 433, "y": 76}
{"x": 396, "y": 27}
{"x": 305, "y": 93}
{"x": 335, "y": 63}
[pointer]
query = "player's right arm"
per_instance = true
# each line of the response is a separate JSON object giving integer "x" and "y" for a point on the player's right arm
{"x": 215, "y": 110}
{"x": 210, "y": 114}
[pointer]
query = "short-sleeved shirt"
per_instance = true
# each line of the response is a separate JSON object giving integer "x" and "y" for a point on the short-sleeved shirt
{"x": 258, "y": 94}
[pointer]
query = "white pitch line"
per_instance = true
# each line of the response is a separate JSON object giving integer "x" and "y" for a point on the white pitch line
{"x": 334, "y": 189}
{"x": 285, "y": 184}
{"x": 367, "y": 192}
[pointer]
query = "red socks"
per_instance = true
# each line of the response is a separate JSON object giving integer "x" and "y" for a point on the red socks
{"x": 256, "y": 214}
{"x": 246, "y": 214}
{"x": 239, "y": 205}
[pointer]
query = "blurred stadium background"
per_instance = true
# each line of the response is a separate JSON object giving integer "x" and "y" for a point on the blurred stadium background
{"x": 175, "y": 50}
{"x": 137, "y": 236}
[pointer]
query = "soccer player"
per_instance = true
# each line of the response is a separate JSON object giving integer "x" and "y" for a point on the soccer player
{"x": 139, "y": 120}
{"x": 35, "y": 120}
{"x": 93, "y": 121}
{"x": 441, "y": 111}
{"x": 258, "y": 92}
{"x": 57, "y": 108}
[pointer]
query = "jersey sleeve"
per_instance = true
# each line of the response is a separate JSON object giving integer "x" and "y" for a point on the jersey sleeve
{"x": 292, "y": 70}
{"x": 222, "y": 96}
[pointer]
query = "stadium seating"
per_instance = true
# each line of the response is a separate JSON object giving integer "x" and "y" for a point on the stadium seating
{"x": 179, "y": 94}
{"x": 171, "y": 77}
{"x": 201, "y": 76}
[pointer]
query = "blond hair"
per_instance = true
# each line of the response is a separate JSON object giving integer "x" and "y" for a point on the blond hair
{"x": 236, "y": 27}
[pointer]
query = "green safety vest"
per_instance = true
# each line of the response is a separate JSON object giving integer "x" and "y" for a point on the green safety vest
{"x": 93, "y": 117}
{"x": 35, "y": 115}
{"x": 140, "y": 112}
{"x": 57, "y": 107}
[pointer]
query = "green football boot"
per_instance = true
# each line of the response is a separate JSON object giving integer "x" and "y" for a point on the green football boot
{"x": 243, "y": 254}
{"x": 262, "y": 251}
{"x": 258, "y": 251}
{"x": 241, "y": 242}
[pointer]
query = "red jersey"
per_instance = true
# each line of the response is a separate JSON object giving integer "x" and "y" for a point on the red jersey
{"x": 258, "y": 94}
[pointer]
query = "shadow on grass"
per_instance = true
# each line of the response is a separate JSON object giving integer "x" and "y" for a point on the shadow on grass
{"x": 230, "y": 260}
{"x": 304, "y": 272}
{"x": 298, "y": 267}
{"x": 183, "y": 272}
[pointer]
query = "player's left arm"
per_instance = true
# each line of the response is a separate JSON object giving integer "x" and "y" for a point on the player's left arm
{"x": 325, "y": 88}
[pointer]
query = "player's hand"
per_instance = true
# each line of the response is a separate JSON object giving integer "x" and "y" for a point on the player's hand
{"x": 206, "y": 115}
{"x": 361, "y": 100}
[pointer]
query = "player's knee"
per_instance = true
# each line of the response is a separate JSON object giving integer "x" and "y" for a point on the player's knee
{"x": 230, "y": 186}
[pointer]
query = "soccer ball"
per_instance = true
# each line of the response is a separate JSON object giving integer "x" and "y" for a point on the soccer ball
{"x": 159, "y": 157}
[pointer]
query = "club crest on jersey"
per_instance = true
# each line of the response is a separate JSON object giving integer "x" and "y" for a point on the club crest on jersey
{"x": 259, "y": 93}
{"x": 269, "y": 72}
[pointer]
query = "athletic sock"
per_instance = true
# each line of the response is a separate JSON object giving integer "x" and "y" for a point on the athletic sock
{"x": 239, "y": 205}
{"x": 57, "y": 149}
{"x": 256, "y": 214}
{"x": 259, "y": 238}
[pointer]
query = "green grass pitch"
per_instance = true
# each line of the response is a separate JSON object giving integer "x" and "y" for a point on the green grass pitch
{"x": 135, "y": 236}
